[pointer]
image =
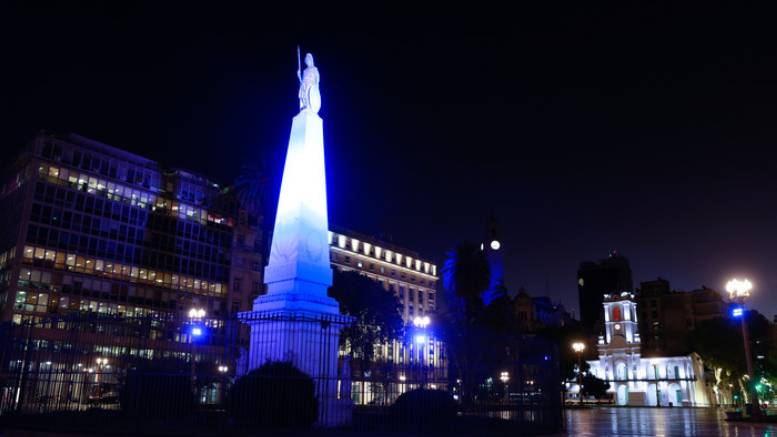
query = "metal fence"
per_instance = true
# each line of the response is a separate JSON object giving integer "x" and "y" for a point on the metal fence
{"x": 96, "y": 373}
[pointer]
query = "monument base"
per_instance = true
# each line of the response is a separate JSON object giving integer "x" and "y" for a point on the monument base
{"x": 310, "y": 341}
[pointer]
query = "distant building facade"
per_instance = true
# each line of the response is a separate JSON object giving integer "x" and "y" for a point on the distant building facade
{"x": 548, "y": 313}
{"x": 400, "y": 271}
{"x": 667, "y": 316}
{"x": 538, "y": 312}
{"x": 594, "y": 280}
{"x": 635, "y": 379}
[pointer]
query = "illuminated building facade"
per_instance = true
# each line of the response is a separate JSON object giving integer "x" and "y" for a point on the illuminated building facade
{"x": 94, "y": 230}
{"x": 400, "y": 271}
{"x": 637, "y": 380}
{"x": 419, "y": 358}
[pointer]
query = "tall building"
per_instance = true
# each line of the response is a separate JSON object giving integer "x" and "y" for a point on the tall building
{"x": 594, "y": 280}
{"x": 94, "y": 230}
{"x": 667, "y": 316}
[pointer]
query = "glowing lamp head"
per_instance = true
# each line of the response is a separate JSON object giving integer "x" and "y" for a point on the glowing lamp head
{"x": 196, "y": 313}
{"x": 420, "y": 339}
{"x": 578, "y": 346}
{"x": 739, "y": 288}
{"x": 737, "y": 312}
{"x": 196, "y": 331}
{"x": 495, "y": 245}
{"x": 422, "y": 322}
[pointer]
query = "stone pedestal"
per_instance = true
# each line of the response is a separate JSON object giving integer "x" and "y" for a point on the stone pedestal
{"x": 311, "y": 343}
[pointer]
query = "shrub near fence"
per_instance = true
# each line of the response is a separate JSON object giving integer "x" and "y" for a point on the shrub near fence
{"x": 275, "y": 395}
{"x": 425, "y": 409}
{"x": 158, "y": 390}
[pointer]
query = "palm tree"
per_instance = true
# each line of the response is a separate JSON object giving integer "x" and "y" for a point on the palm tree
{"x": 465, "y": 274}
{"x": 249, "y": 189}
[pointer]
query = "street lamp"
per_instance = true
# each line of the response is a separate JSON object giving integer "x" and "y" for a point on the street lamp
{"x": 738, "y": 290}
{"x": 505, "y": 378}
{"x": 421, "y": 322}
{"x": 101, "y": 363}
{"x": 422, "y": 340}
{"x": 223, "y": 385}
{"x": 579, "y": 347}
{"x": 195, "y": 315}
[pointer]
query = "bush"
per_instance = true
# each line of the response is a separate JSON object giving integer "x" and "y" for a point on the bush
{"x": 157, "y": 393}
{"x": 276, "y": 394}
{"x": 427, "y": 408}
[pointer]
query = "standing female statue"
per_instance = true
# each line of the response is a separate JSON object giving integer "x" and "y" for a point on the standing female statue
{"x": 309, "y": 95}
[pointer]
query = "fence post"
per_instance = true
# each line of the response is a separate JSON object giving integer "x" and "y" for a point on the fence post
{"x": 25, "y": 363}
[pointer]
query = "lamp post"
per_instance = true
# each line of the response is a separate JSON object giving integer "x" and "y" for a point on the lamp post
{"x": 223, "y": 371}
{"x": 195, "y": 315}
{"x": 422, "y": 341}
{"x": 505, "y": 378}
{"x": 738, "y": 290}
{"x": 101, "y": 364}
{"x": 579, "y": 347}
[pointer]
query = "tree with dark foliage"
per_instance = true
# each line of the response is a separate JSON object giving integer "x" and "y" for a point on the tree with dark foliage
{"x": 376, "y": 313}
{"x": 465, "y": 275}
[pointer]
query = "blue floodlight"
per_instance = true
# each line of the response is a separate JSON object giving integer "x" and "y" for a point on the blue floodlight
{"x": 737, "y": 312}
{"x": 196, "y": 331}
{"x": 420, "y": 339}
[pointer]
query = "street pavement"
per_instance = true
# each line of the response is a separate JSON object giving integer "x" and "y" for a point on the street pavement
{"x": 659, "y": 422}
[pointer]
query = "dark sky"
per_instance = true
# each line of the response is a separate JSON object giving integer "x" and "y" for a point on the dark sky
{"x": 647, "y": 130}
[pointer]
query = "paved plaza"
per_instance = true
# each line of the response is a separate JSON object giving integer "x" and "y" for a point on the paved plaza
{"x": 659, "y": 422}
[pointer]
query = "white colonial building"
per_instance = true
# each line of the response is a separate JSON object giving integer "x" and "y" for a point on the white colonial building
{"x": 637, "y": 380}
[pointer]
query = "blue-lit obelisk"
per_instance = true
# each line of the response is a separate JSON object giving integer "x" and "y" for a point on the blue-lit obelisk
{"x": 296, "y": 321}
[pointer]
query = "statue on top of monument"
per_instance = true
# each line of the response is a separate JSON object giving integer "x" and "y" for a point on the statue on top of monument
{"x": 309, "y": 95}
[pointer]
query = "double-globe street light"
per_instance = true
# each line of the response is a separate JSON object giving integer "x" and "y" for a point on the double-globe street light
{"x": 738, "y": 291}
{"x": 504, "y": 376}
{"x": 195, "y": 316}
{"x": 421, "y": 338}
{"x": 579, "y": 347}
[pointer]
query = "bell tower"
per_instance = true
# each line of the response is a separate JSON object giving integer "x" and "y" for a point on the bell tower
{"x": 621, "y": 329}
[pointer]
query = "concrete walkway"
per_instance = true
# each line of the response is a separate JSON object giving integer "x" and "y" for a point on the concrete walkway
{"x": 659, "y": 422}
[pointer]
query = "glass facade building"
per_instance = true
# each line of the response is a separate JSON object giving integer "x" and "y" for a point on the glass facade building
{"x": 91, "y": 229}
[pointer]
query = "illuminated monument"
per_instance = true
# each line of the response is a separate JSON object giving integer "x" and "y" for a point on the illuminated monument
{"x": 296, "y": 321}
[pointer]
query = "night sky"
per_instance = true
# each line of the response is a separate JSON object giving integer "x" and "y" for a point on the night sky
{"x": 647, "y": 131}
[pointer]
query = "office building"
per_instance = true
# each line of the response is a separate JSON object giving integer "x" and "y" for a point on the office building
{"x": 594, "y": 280}
{"x": 94, "y": 230}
